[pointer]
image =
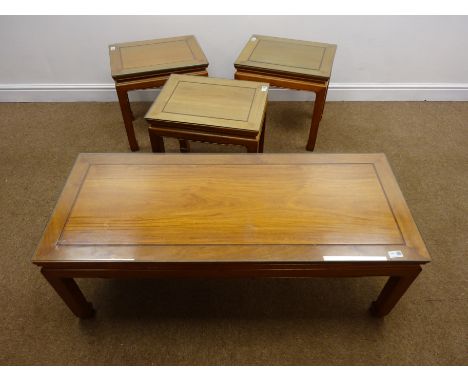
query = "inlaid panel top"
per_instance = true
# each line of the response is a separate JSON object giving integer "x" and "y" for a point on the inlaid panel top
{"x": 257, "y": 207}
{"x": 295, "y": 57}
{"x": 211, "y": 102}
{"x": 139, "y": 58}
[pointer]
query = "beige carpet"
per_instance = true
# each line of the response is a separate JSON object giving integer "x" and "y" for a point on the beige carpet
{"x": 245, "y": 322}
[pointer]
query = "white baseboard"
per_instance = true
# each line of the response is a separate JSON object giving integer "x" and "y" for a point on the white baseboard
{"x": 398, "y": 92}
{"x": 336, "y": 92}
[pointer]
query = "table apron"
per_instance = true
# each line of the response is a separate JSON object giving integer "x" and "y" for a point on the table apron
{"x": 152, "y": 81}
{"x": 234, "y": 271}
{"x": 225, "y": 138}
{"x": 282, "y": 82}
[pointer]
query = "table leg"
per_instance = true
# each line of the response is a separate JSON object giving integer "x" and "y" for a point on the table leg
{"x": 127, "y": 115}
{"x": 262, "y": 137}
{"x": 184, "y": 146}
{"x": 395, "y": 287}
{"x": 71, "y": 295}
{"x": 157, "y": 142}
{"x": 319, "y": 104}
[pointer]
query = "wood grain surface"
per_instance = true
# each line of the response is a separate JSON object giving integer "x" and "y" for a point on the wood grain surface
{"x": 297, "y": 57}
{"x": 142, "y": 58}
{"x": 210, "y": 104}
{"x": 231, "y": 204}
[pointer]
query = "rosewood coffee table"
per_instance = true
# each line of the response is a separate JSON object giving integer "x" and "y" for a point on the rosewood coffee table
{"x": 244, "y": 215}
{"x": 148, "y": 64}
{"x": 292, "y": 64}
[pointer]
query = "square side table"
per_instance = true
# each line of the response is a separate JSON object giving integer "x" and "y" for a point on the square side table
{"x": 148, "y": 64}
{"x": 292, "y": 64}
{"x": 209, "y": 110}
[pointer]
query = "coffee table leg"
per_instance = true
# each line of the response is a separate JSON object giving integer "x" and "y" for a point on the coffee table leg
{"x": 71, "y": 294}
{"x": 127, "y": 115}
{"x": 319, "y": 104}
{"x": 393, "y": 290}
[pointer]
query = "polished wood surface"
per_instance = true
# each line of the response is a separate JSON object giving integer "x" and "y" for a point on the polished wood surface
{"x": 270, "y": 215}
{"x": 231, "y": 204}
{"x": 211, "y": 104}
{"x": 209, "y": 110}
{"x": 178, "y": 207}
{"x": 148, "y": 64}
{"x": 294, "y": 57}
{"x": 292, "y": 64}
{"x": 160, "y": 56}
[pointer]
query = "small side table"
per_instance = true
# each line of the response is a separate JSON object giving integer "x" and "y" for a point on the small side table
{"x": 292, "y": 64}
{"x": 148, "y": 64}
{"x": 209, "y": 110}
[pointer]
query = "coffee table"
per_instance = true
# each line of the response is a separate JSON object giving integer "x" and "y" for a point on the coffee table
{"x": 244, "y": 215}
{"x": 292, "y": 64}
{"x": 212, "y": 110}
{"x": 147, "y": 64}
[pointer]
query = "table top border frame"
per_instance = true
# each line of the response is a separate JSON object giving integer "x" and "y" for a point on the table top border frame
{"x": 242, "y": 61}
{"x": 54, "y": 228}
{"x": 119, "y": 74}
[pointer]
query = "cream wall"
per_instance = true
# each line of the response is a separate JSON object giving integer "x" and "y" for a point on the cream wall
{"x": 64, "y": 58}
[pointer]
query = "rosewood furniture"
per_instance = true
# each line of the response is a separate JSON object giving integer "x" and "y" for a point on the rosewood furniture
{"x": 292, "y": 64}
{"x": 148, "y": 64}
{"x": 244, "y": 215}
{"x": 210, "y": 110}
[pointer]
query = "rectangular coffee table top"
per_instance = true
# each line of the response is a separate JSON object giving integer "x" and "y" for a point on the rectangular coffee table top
{"x": 152, "y": 57}
{"x": 147, "y": 208}
{"x": 282, "y": 55}
{"x": 211, "y": 104}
